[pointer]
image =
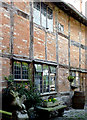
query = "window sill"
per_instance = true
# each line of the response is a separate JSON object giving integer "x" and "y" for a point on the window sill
{"x": 63, "y": 35}
{"x": 20, "y": 80}
{"x": 48, "y": 93}
{"x": 43, "y": 28}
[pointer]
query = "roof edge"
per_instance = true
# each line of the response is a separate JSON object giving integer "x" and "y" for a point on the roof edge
{"x": 68, "y": 9}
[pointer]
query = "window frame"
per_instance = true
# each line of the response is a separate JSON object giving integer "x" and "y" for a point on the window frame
{"x": 49, "y": 71}
{"x": 13, "y": 71}
{"x": 61, "y": 26}
{"x": 46, "y": 27}
{"x": 74, "y": 81}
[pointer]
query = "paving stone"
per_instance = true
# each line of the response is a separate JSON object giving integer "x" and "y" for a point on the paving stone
{"x": 73, "y": 114}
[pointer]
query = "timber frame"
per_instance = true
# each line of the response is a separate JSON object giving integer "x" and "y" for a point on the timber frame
{"x": 67, "y": 9}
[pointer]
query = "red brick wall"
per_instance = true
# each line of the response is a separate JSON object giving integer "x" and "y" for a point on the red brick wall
{"x": 74, "y": 56}
{"x": 21, "y": 36}
{"x": 5, "y": 70}
{"x": 83, "y": 59}
{"x": 82, "y": 34}
{"x": 74, "y": 29}
{"x": 22, "y": 5}
{"x": 42, "y": 39}
{"x": 63, "y": 19}
{"x": 63, "y": 50}
{"x": 51, "y": 47}
{"x": 7, "y": 1}
{"x": 39, "y": 43}
{"x": 63, "y": 83}
{"x": 5, "y": 16}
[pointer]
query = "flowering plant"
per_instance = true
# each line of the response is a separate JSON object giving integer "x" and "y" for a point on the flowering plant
{"x": 71, "y": 78}
{"x": 50, "y": 100}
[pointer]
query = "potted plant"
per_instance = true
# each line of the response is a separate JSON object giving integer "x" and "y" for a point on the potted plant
{"x": 71, "y": 78}
{"x": 50, "y": 102}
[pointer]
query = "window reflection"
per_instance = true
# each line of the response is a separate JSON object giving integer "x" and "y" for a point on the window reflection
{"x": 52, "y": 78}
{"x": 60, "y": 28}
{"x": 76, "y": 80}
{"x": 45, "y": 78}
{"x": 36, "y": 12}
{"x": 38, "y": 81}
{"x": 21, "y": 70}
{"x": 24, "y": 70}
{"x": 43, "y": 14}
{"x": 46, "y": 17}
{"x": 50, "y": 19}
{"x": 17, "y": 70}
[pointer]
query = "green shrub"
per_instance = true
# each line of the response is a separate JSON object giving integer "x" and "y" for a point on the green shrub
{"x": 25, "y": 88}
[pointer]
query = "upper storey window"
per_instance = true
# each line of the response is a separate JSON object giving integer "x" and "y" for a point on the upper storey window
{"x": 43, "y": 15}
{"x": 61, "y": 28}
{"x": 36, "y": 13}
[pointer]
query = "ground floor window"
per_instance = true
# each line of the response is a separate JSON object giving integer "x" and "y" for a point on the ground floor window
{"x": 76, "y": 81}
{"x": 20, "y": 70}
{"x": 45, "y": 77}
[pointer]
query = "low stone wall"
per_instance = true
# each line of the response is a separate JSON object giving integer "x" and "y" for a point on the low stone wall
{"x": 66, "y": 97}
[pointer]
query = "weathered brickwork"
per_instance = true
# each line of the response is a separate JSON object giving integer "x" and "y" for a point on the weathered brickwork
{"x": 46, "y": 45}
{"x": 5, "y": 70}
{"x": 63, "y": 19}
{"x": 5, "y": 31}
{"x": 63, "y": 50}
{"x": 21, "y": 36}
{"x": 82, "y": 34}
{"x": 51, "y": 47}
{"x": 74, "y": 56}
{"x": 83, "y": 58}
{"x": 63, "y": 83}
{"x": 22, "y": 5}
{"x": 39, "y": 43}
{"x": 7, "y": 1}
{"x": 74, "y": 29}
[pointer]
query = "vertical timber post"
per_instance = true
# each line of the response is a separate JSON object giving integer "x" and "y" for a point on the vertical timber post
{"x": 57, "y": 59}
{"x": 69, "y": 41}
{"x": 86, "y": 60}
{"x": 11, "y": 34}
{"x": 69, "y": 45}
{"x": 31, "y": 43}
{"x": 31, "y": 31}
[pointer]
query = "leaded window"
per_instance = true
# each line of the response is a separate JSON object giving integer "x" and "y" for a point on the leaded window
{"x": 43, "y": 15}
{"x": 60, "y": 27}
{"x": 20, "y": 70}
{"x": 36, "y": 13}
{"x": 45, "y": 77}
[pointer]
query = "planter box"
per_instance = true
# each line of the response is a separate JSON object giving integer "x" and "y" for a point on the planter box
{"x": 50, "y": 104}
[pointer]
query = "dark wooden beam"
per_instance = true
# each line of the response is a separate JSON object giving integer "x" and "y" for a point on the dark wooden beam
{"x": 69, "y": 40}
{"x": 31, "y": 32}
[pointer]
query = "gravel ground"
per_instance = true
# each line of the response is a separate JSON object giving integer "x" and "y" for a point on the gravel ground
{"x": 73, "y": 114}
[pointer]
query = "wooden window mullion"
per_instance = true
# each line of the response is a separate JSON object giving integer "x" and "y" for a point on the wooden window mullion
{"x": 49, "y": 77}
{"x": 42, "y": 79}
{"x": 46, "y": 18}
{"x": 21, "y": 70}
{"x": 40, "y": 15}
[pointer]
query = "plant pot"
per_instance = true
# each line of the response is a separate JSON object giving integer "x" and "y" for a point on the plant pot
{"x": 71, "y": 80}
{"x": 74, "y": 87}
{"x": 50, "y": 104}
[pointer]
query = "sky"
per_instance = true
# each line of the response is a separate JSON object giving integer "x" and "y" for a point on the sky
{"x": 76, "y": 4}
